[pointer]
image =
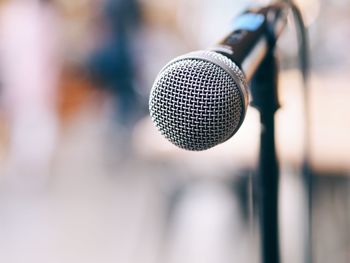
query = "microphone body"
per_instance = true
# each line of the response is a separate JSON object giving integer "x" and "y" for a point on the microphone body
{"x": 199, "y": 100}
{"x": 254, "y": 32}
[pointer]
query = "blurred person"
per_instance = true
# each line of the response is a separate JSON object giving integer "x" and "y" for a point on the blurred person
{"x": 112, "y": 64}
{"x": 30, "y": 68}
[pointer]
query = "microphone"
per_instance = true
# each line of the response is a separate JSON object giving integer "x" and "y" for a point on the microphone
{"x": 199, "y": 99}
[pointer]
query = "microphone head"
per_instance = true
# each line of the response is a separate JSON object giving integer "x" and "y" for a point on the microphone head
{"x": 199, "y": 100}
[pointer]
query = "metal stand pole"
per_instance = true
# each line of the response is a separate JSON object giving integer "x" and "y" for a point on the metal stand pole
{"x": 264, "y": 94}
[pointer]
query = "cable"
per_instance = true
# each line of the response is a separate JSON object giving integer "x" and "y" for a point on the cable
{"x": 304, "y": 64}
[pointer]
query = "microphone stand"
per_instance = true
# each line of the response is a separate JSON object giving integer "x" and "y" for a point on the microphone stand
{"x": 265, "y": 100}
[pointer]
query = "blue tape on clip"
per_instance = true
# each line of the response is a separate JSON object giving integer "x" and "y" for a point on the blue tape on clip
{"x": 249, "y": 22}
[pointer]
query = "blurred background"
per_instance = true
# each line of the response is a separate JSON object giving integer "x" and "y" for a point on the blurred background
{"x": 86, "y": 177}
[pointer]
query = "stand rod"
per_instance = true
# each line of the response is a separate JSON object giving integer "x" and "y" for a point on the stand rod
{"x": 265, "y": 99}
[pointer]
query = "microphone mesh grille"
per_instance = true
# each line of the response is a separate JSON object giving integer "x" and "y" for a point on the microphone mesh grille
{"x": 196, "y": 104}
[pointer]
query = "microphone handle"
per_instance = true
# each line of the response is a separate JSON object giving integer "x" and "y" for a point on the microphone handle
{"x": 254, "y": 33}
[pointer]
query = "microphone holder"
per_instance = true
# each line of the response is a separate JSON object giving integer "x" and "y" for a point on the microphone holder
{"x": 265, "y": 100}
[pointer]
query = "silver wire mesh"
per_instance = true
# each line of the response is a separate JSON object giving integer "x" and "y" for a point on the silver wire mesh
{"x": 196, "y": 104}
